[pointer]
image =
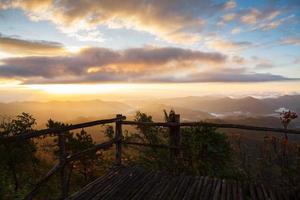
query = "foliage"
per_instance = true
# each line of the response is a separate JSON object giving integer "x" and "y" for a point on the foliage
{"x": 205, "y": 151}
{"x": 151, "y": 157}
{"x": 17, "y": 158}
{"x": 286, "y": 117}
{"x": 76, "y": 143}
{"x": 85, "y": 165}
{"x": 109, "y": 132}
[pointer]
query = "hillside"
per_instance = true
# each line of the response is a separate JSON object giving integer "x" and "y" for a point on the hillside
{"x": 226, "y": 104}
{"x": 191, "y": 108}
{"x": 64, "y": 110}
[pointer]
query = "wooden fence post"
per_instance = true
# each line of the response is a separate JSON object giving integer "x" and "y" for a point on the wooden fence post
{"x": 62, "y": 162}
{"x": 175, "y": 137}
{"x": 118, "y": 138}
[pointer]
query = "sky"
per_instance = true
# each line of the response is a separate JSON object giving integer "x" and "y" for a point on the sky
{"x": 64, "y": 49}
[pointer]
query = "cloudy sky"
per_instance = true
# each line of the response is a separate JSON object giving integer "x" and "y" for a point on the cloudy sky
{"x": 186, "y": 47}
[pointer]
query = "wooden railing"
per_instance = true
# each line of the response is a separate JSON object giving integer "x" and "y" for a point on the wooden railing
{"x": 174, "y": 145}
{"x": 64, "y": 159}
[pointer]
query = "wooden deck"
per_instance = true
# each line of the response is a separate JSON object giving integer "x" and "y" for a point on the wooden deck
{"x": 135, "y": 183}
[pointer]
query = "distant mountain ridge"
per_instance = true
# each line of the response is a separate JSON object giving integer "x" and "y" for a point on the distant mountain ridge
{"x": 64, "y": 110}
{"x": 248, "y": 104}
{"x": 192, "y": 108}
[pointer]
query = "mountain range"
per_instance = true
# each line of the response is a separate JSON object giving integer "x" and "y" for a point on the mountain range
{"x": 193, "y": 108}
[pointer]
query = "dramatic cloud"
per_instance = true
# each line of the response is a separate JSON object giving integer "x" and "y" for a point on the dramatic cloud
{"x": 184, "y": 22}
{"x": 213, "y": 76}
{"x": 227, "y": 76}
{"x": 18, "y": 46}
{"x": 129, "y": 65}
{"x": 222, "y": 44}
{"x": 107, "y": 63}
{"x": 176, "y": 21}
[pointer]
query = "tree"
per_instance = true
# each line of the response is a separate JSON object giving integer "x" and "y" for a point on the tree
{"x": 205, "y": 151}
{"x": 85, "y": 165}
{"x": 151, "y": 157}
{"x": 74, "y": 144}
{"x": 17, "y": 157}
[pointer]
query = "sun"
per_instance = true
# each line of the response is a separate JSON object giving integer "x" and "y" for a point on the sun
{"x": 73, "y": 49}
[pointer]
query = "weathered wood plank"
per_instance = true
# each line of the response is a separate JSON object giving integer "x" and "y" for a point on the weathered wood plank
{"x": 199, "y": 188}
{"x": 168, "y": 187}
{"x": 118, "y": 140}
{"x": 89, "y": 190}
{"x": 175, "y": 137}
{"x": 191, "y": 189}
{"x": 229, "y": 190}
{"x": 119, "y": 189}
{"x": 145, "y": 189}
{"x": 259, "y": 192}
{"x": 223, "y": 189}
{"x": 63, "y": 165}
{"x": 137, "y": 187}
{"x": 216, "y": 192}
{"x": 207, "y": 194}
{"x": 204, "y": 187}
{"x": 176, "y": 186}
{"x": 135, "y": 183}
{"x": 116, "y": 183}
{"x": 183, "y": 187}
{"x": 252, "y": 192}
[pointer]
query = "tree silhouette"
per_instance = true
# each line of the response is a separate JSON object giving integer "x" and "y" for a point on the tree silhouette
{"x": 19, "y": 156}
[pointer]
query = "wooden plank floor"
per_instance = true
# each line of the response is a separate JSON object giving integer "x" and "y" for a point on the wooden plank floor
{"x": 135, "y": 183}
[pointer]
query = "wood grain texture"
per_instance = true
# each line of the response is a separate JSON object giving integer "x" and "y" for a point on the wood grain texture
{"x": 135, "y": 183}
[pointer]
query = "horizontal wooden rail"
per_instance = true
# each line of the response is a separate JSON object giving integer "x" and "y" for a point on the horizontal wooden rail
{"x": 174, "y": 145}
{"x": 217, "y": 125}
{"x": 58, "y": 166}
{"x": 238, "y": 126}
{"x": 104, "y": 145}
{"x": 164, "y": 124}
{"x": 164, "y": 146}
{"x": 44, "y": 132}
{"x": 42, "y": 181}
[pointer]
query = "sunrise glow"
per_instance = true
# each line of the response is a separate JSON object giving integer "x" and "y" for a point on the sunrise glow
{"x": 173, "y": 49}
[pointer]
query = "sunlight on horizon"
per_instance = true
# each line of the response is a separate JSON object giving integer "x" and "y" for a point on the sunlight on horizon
{"x": 226, "y": 48}
{"x": 63, "y": 89}
{"x": 114, "y": 91}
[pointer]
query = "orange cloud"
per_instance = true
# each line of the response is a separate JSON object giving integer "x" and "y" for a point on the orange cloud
{"x": 174, "y": 21}
{"x": 17, "y": 46}
{"x": 94, "y": 65}
{"x": 103, "y": 64}
{"x": 222, "y": 44}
